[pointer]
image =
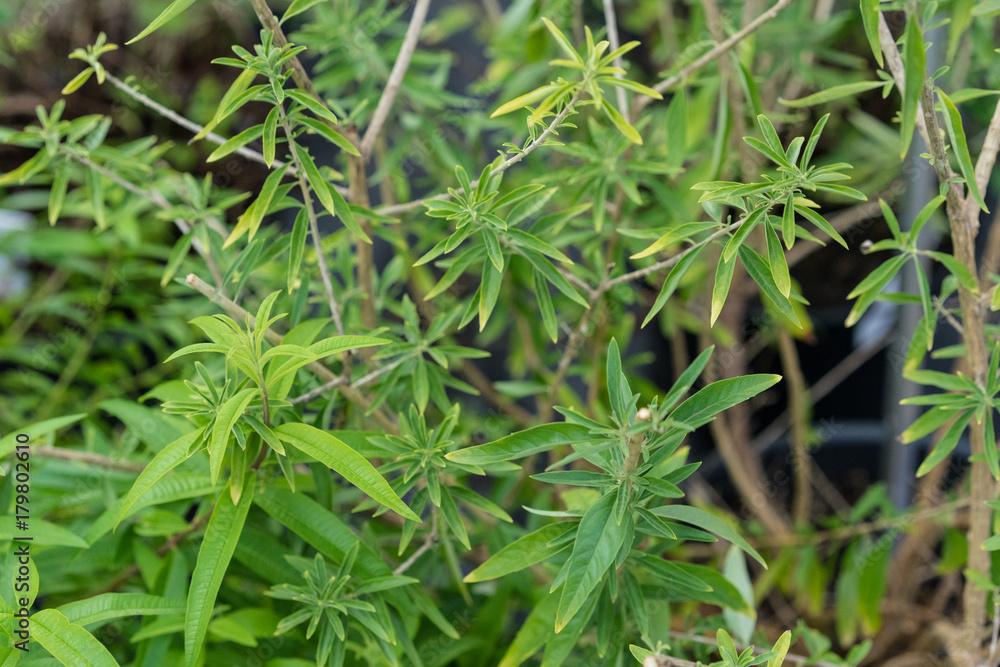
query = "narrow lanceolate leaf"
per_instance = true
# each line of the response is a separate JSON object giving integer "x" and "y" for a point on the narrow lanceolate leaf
{"x": 328, "y": 196}
{"x": 166, "y": 460}
{"x": 116, "y": 605}
{"x": 709, "y": 522}
{"x": 9, "y": 441}
{"x": 953, "y": 120}
{"x": 524, "y": 100}
{"x": 523, "y": 443}
{"x": 177, "y": 255}
{"x": 673, "y": 280}
{"x": 545, "y": 306}
{"x": 254, "y": 215}
{"x": 217, "y": 547}
{"x": 167, "y": 14}
{"x": 58, "y": 192}
{"x": 270, "y": 136}
{"x": 832, "y": 93}
{"x": 229, "y": 414}
{"x": 776, "y": 260}
{"x": 618, "y": 390}
{"x": 338, "y": 456}
{"x": 718, "y": 396}
{"x": 869, "y": 17}
{"x": 761, "y": 273}
{"x": 521, "y": 553}
{"x": 598, "y": 541}
{"x": 69, "y": 643}
{"x": 916, "y": 65}
{"x": 297, "y": 247}
{"x": 946, "y": 444}
{"x": 785, "y": 640}
{"x": 723, "y": 279}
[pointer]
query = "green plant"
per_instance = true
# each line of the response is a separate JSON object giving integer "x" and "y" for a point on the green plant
{"x": 213, "y": 514}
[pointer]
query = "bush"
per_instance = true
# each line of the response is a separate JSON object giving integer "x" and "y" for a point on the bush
{"x": 170, "y": 487}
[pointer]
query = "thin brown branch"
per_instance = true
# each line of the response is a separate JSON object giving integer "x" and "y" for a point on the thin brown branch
{"x": 299, "y": 75}
{"x": 613, "y": 44}
{"x": 718, "y": 50}
{"x": 381, "y": 113}
{"x": 90, "y": 458}
{"x": 798, "y": 408}
{"x": 480, "y": 381}
{"x": 175, "y": 117}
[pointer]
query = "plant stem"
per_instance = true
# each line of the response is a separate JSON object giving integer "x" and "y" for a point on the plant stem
{"x": 613, "y": 44}
{"x": 324, "y": 272}
{"x": 983, "y": 486}
{"x": 798, "y": 408}
{"x": 381, "y": 113}
{"x": 299, "y": 74}
{"x": 718, "y": 50}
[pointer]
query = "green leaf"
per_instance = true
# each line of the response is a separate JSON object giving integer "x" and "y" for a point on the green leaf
{"x": 452, "y": 517}
{"x": 723, "y": 279}
{"x": 166, "y": 460}
{"x": 216, "y": 550}
{"x": 524, "y": 100}
{"x": 493, "y": 250}
{"x": 776, "y": 260}
{"x": 915, "y": 62}
{"x": 820, "y": 222}
{"x": 229, "y": 413}
{"x": 869, "y": 18}
{"x": 709, "y": 522}
{"x": 9, "y": 441}
{"x": 338, "y": 456}
{"x": 57, "y": 194}
{"x": 523, "y": 443}
{"x": 77, "y": 82}
{"x": 721, "y": 395}
{"x": 784, "y": 641}
{"x": 106, "y": 606}
{"x": 254, "y": 215}
{"x": 177, "y": 255}
{"x": 737, "y": 239}
{"x": 833, "y": 93}
{"x": 598, "y": 540}
{"x": 619, "y": 122}
{"x": 489, "y": 292}
{"x": 270, "y": 136}
{"x": 956, "y": 133}
{"x": 619, "y": 392}
{"x": 534, "y": 547}
{"x": 69, "y": 643}
{"x": 332, "y": 201}
{"x": 673, "y": 280}
{"x": 761, "y": 273}
{"x": 174, "y": 9}
{"x": 240, "y": 140}
{"x": 561, "y": 40}
{"x": 868, "y": 289}
{"x": 545, "y": 306}
{"x": 297, "y": 247}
